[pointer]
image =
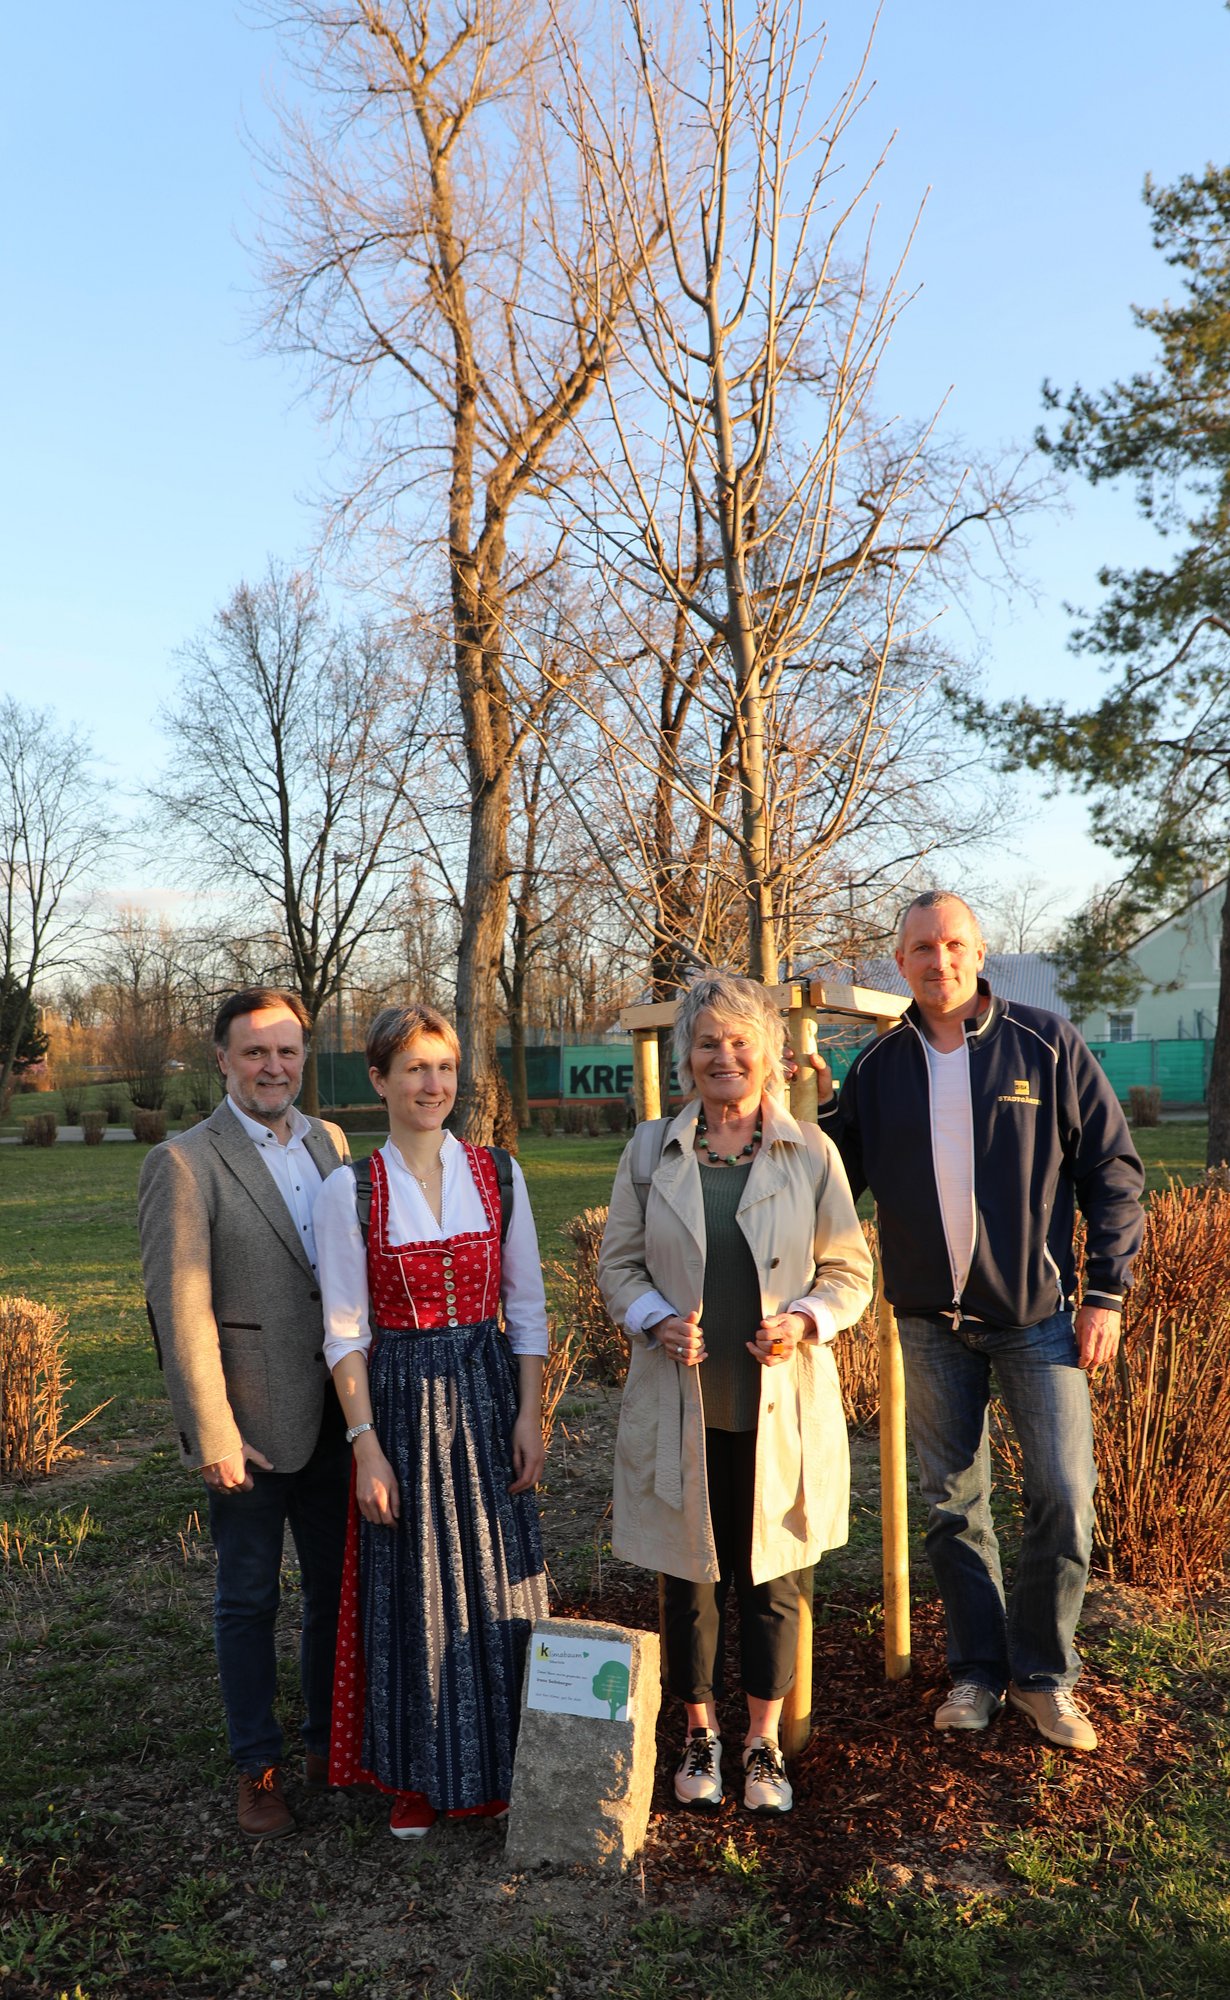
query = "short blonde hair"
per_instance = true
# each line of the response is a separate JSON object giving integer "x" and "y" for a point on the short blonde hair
{"x": 394, "y": 1028}
{"x": 735, "y": 1001}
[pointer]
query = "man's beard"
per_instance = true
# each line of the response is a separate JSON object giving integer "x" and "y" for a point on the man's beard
{"x": 266, "y": 1106}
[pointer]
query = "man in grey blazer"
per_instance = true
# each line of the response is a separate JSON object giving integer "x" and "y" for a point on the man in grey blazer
{"x": 228, "y": 1255}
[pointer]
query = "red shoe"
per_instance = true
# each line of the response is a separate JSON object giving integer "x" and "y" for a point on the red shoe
{"x": 412, "y": 1816}
{"x": 493, "y": 1809}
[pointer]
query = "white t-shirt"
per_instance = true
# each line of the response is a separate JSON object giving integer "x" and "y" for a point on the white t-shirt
{"x": 952, "y": 1148}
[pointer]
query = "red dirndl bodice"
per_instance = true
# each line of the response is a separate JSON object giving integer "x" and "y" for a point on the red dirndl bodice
{"x": 452, "y": 1282}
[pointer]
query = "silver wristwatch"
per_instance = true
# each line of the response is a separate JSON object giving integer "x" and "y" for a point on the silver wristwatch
{"x": 357, "y": 1430}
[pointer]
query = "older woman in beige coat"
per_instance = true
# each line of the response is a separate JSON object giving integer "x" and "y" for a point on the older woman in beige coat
{"x": 732, "y": 1256}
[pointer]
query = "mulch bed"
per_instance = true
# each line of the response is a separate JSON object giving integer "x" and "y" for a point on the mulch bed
{"x": 879, "y": 1791}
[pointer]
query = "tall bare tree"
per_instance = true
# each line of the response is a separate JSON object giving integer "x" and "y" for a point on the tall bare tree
{"x": 52, "y": 829}
{"x": 423, "y": 262}
{"x": 141, "y": 997}
{"x": 294, "y": 747}
{"x": 744, "y": 479}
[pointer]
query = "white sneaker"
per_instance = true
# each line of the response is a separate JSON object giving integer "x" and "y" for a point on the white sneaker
{"x": 766, "y": 1788}
{"x": 969, "y": 1705}
{"x": 698, "y": 1780}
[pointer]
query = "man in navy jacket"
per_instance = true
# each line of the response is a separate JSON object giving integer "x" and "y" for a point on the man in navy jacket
{"x": 979, "y": 1126}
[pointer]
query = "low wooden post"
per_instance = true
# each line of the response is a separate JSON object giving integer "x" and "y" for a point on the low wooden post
{"x": 802, "y": 1026}
{"x": 894, "y": 1508}
{"x": 894, "y": 1499}
{"x": 646, "y": 1079}
{"x": 796, "y": 1709}
{"x": 894, "y": 1503}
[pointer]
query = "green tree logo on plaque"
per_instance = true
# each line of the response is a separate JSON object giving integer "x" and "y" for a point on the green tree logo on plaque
{"x": 610, "y": 1684}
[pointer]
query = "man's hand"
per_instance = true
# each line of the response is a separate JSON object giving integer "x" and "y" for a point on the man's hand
{"x": 1097, "y": 1330}
{"x": 228, "y": 1475}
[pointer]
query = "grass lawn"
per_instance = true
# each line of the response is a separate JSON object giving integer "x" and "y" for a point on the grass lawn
{"x": 1172, "y": 1152}
{"x": 1005, "y": 1872}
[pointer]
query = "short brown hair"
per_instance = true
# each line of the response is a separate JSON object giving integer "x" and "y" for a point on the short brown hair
{"x": 249, "y": 1001}
{"x": 394, "y": 1028}
{"x": 929, "y": 900}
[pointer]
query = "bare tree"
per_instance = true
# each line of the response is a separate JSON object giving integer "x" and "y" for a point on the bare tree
{"x": 1023, "y": 916}
{"x": 653, "y": 782}
{"x": 52, "y": 829}
{"x": 140, "y": 1000}
{"x": 790, "y": 535}
{"x": 294, "y": 748}
{"x": 423, "y": 263}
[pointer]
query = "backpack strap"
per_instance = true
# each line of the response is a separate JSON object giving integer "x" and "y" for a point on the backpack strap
{"x": 363, "y": 1194}
{"x": 647, "y": 1143}
{"x": 363, "y": 1191}
{"x": 503, "y": 1173}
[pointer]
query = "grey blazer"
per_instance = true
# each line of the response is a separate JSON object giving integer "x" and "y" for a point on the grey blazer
{"x": 232, "y": 1298}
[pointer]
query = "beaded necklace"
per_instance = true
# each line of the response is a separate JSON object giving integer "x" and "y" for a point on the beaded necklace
{"x": 726, "y": 1159}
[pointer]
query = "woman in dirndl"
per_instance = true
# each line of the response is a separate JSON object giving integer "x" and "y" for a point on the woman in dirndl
{"x": 444, "y": 1570}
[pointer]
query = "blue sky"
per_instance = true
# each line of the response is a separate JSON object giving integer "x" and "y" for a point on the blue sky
{"x": 154, "y": 455}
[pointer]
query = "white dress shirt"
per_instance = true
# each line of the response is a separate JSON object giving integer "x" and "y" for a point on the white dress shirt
{"x": 343, "y": 1258}
{"x": 294, "y": 1171}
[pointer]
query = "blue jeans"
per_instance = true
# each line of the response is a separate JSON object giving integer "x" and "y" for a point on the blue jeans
{"x": 248, "y": 1530}
{"x": 948, "y": 1389}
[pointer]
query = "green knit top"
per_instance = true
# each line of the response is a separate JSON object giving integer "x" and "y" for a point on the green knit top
{"x": 730, "y": 1313}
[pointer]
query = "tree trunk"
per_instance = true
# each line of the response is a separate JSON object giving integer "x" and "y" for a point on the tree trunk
{"x": 10, "y": 1054}
{"x": 742, "y": 644}
{"x": 1219, "y": 1073}
{"x": 483, "y": 917}
{"x": 518, "y": 1083}
{"x": 309, "y": 1096}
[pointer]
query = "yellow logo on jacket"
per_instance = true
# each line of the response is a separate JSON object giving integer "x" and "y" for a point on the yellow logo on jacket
{"x": 1020, "y": 1093}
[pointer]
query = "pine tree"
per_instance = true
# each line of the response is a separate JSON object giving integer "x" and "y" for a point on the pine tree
{"x": 1153, "y": 755}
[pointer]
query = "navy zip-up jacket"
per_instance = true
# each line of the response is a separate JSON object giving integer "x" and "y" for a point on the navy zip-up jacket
{"x": 1048, "y": 1133}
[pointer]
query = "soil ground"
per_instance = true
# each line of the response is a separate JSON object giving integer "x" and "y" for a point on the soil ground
{"x": 146, "y": 1890}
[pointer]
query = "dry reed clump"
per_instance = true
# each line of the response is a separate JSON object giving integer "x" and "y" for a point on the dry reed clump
{"x": 1162, "y": 1425}
{"x": 93, "y": 1127}
{"x": 602, "y": 1351}
{"x": 149, "y": 1128}
{"x": 857, "y": 1353}
{"x": 1161, "y": 1418}
{"x": 39, "y": 1130}
{"x": 559, "y": 1372}
{"x": 33, "y": 1384}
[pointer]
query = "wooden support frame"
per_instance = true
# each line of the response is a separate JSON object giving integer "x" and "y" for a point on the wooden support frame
{"x": 803, "y": 1002}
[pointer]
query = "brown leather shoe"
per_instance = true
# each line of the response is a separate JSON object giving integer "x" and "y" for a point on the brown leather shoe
{"x": 315, "y": 1770}
{"x": 263, "y": 1812}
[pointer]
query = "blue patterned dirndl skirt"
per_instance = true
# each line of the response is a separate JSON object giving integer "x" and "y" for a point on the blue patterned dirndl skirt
{"x": 448, "y": 1595}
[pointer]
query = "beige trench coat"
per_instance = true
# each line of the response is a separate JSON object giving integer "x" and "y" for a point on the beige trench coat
{"x": 800, "y": 1224}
